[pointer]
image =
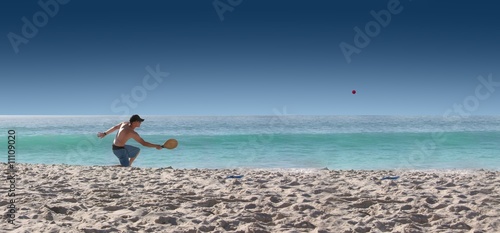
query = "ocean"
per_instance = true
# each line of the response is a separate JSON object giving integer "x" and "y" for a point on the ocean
{"x": 268, "y": 142}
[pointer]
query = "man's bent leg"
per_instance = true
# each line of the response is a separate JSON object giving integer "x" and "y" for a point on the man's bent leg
{"x": 133, "y": 152}
{"x": 121, "y": 154}
{"x": 133, "y": 158}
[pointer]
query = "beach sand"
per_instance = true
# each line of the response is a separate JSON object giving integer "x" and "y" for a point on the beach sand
{"x": 63, "y": 198}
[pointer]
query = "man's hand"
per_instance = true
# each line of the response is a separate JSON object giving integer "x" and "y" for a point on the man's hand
{"x": 101, "y": 135}
{"x": 158, "y": 147}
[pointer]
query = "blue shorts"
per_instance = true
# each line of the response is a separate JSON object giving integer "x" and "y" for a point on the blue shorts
{"x": 125, "y": 153}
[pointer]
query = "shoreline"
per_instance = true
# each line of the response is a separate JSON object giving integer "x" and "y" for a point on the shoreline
{"x": 275, "y": 169}
{"x": 74, "y": 198}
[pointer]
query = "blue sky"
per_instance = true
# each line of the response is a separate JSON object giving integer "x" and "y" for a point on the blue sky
{"x": 249, "y": 58}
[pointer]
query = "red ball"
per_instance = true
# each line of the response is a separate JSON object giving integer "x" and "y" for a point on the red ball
{"x": 353, "y": 92}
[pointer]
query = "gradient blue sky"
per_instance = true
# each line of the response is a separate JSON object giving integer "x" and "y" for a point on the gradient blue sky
{"x": 264, "y": 55}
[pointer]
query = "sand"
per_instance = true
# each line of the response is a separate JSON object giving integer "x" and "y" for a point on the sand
{"x": 63, "y": 198}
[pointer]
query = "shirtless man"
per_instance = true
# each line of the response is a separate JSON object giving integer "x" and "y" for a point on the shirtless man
{"x": 127, "y": 153}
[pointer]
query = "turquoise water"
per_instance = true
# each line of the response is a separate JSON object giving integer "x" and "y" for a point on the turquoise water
{"x": 335, "y": 142}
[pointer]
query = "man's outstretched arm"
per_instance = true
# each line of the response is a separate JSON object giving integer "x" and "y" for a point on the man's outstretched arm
{"x": 110, "y": 130}
{"x": 144, "y": 143}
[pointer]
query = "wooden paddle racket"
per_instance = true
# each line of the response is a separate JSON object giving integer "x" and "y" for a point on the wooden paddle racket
{"x": 170, "y": 144}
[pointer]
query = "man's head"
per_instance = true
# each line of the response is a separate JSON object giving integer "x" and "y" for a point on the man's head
{"x": 136, "y": 121}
